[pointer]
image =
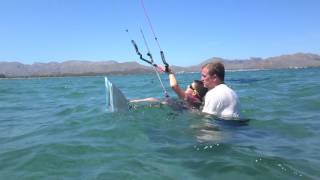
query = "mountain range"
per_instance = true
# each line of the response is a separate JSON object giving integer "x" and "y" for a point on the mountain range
{"x": 78, "y": 68}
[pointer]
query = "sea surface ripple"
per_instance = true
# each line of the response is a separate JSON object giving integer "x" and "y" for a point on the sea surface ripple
{"x": 59, "y": 128}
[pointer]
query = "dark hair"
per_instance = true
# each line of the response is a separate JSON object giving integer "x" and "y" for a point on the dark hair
{"x": 199, "y": 87}
{"x": 215, "y": 68}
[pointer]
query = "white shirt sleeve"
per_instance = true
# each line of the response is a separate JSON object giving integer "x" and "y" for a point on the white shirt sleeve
{"x": 213, "y": 104}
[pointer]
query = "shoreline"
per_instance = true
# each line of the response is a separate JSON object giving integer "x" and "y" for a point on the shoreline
{"x": 126, "y": 74}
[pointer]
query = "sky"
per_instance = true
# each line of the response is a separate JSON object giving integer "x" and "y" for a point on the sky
{"x": 188, "y": 31}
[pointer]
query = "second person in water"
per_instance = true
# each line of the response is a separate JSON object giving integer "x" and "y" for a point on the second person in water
{"x": 194, "y": 93}
{"x": 192, "y": 97}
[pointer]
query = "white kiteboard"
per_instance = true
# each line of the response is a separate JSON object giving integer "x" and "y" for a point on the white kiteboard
{"x": 115, "y": 99}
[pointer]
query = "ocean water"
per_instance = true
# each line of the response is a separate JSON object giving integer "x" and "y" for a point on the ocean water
{"x": 59, "y": 128}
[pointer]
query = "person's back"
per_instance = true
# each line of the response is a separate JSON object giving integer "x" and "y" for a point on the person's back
{"x": 222, "y": 101}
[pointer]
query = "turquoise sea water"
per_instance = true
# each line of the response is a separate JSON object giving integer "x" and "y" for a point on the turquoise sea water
{"x": 59, "y": 128}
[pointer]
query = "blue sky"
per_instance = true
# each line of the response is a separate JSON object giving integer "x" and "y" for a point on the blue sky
{"x": 189, "y": 31}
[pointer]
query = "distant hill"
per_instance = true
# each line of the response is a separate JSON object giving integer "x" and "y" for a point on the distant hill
{"x": 70, "y": 68}
{"x": 76, "y": 68}
{"x": 298, "y": 60}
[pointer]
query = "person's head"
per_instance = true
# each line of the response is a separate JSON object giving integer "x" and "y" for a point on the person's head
{"x": 212, "y": 74}
{"x": 197, "y": 89}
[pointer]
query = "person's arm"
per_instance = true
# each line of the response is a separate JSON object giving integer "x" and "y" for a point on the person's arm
{"x": 151, "y": 99}
{"x": 175, "y": 86}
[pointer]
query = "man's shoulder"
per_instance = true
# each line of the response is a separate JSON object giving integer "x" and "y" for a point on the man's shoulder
{"x": 220, "y": 88}
{"x": 223, "y": 86}
{"x": 220, "y": 91}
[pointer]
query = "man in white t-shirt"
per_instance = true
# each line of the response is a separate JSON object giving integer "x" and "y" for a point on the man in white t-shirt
{"x": 220, "y": 99}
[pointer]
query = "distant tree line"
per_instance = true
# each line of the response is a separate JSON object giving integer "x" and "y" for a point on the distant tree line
{"x": 2, "y": 76}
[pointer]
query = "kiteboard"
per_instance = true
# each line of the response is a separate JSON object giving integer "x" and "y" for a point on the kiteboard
{"x": 115, "y": 99}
